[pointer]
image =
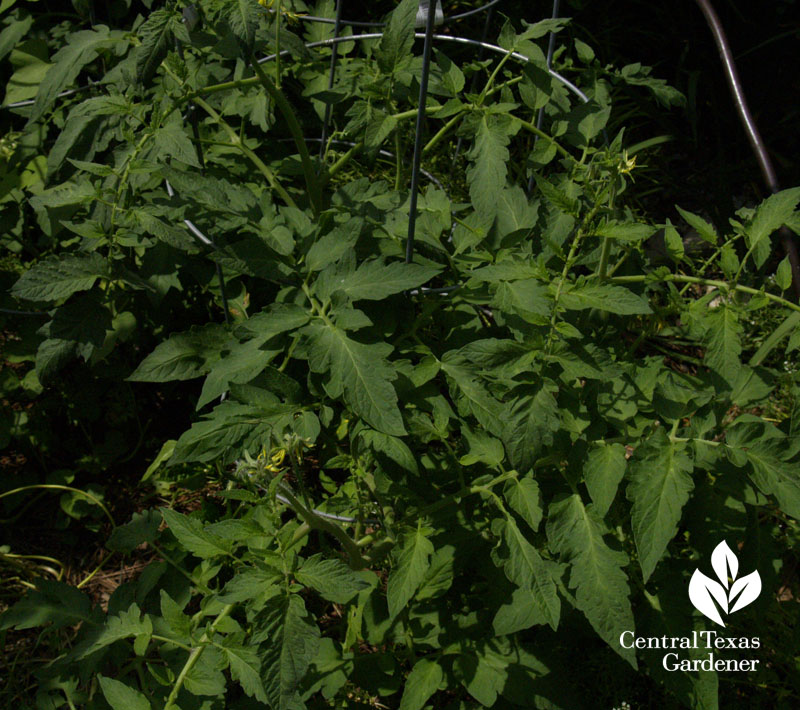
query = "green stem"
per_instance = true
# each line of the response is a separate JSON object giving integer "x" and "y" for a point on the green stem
{"x": 457, "y": 496}
{"x": 58, "y": 487}
{"x": 249, "y": 154}
{"x": 194, "y": 656}
{"x": 202, "y": 587}
{"x": 538, "y": 132}
{"x": 442, "y": 132}
{"x": 314, "y": 521}
{"x": 492, "y": 77}
{"x": 312, "y": 183}
{"x": 680, "y": 278}
{"x": 606, "y": 249}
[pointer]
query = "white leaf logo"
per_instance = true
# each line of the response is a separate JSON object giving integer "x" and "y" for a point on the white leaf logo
{"x": 730, "y": 593}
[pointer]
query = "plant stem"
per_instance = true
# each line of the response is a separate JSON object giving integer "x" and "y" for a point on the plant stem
{"x": 312, "y": 183}
{"x": 194, "y": 656}
{"x": 318, "y": 523}
{"x": 680, "y": 278}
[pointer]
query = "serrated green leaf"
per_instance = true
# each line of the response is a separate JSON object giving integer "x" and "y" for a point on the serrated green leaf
{"x": 156, "y": 36}
{"x": 122, "y": 697}
{"x": 179, "y": 623}
{"x": 241, "y": 364}
{"x": 411, "y": 568}
{"x": 421, "y": 684}
{"x": 783, "y": 274}
{"x": 614, "y": 299}
{"x": 228, "y": 430}
{"x": 328, "y": 248}
{"x": 374, "y": 280}
{"x": 625, "y": 231}
{"x": 183, "y": 356}
{"x": 359, "y": 373}
{"x": 529, "y": 424}
{"x": 519, "y": 613}
{"x": 172, "y": 140}
{"x": 703, "y": 228}
{"x": 51, "y": 602}
{"x": 673, "y": 242}
{"x": 765, "y": 448}
{"x": 723, "y": 340}
{"x": 526, "y": 568}
{"x": 771, "y": 214}
{"x": 333, "y": 579}
{"x": 488, "y": 156}
{"x": 192, "y": 536}
{"x": 245, "y": 668}
{"x": 124, "y": 625}
{"x": 398, "y": 36}
{"x": 143, "y": 527}
{"x": 525, "y": 498}
{"x": 604, "y": 469}
{"x": 293, "y": 640}
{"x": 55, "y": 278}
{"x": 82, "y": 48}
{"x": 659, "y": 488}
{"x": 576, "y": 533}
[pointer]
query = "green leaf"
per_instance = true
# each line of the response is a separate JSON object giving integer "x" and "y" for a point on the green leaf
{"x": 625, "y": 232}
{"x": 374, "y": 280}
{"x": 183, "y": 356}
{"x": 526, "y": 568}
{"x": 359, "y": 372}
{"x": 421, "y": 684}
{"x": 82, "y": 47}
{"x": 330, "y": 247}
{"x": 529, "y": 424}
{"x": 240, "y": 365}
{"x": 673, "y": 243}
{"x": 143, "y": 527}
{"x": 55, "y": 278}
{"x": 121, "y": 697}
{"x": 614, "y": 299}
{"x": 783, "y": 274}
{"x": 53, "y": 354}
{"x": 124, "y": 625}
{"x": 703, "y": 228}
{"x": 604, "y": 469}
{"x": 333, "y": 579}
{"x": 723, "y": 340}
{"x": 51, "y": 602}
{"x": 771, "y": 214}
{"x": 172, "y": 140}
{"x": 489, "y": 157}
{"x": 293, "y": 641}
{"x": 764, "y": 449}
{"x": 172, "y": 613}
{"x": 411, "y": 568}
{"x": 156, "y": 36}
{"x": 192, "y": 536}
{"x": 229, "y": 429}
{"x": 472, "y": 396}
{"x": 398, "y": 36}
{"x": 576, "y": 533}
{"x": 524, "y": 497}
{"x": 246, "y": 669}
{"x": 659, "y": 488}
{"x": 519, "y": 613}
{"x": 242, "y": 17}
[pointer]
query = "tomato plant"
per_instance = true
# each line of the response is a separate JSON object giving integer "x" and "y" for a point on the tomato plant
{"x": 449, "y": 479}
